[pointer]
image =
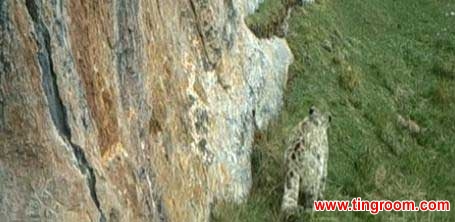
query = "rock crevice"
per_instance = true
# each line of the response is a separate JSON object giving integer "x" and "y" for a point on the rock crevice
{"x": 56, "y": 108}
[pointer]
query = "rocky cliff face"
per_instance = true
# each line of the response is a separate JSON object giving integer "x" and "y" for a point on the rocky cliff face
{"x": 130, "y": 110}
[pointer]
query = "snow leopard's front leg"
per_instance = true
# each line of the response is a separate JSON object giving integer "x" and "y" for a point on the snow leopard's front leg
{"x": 323, "y": 182}
{"x": 291, "y": 192}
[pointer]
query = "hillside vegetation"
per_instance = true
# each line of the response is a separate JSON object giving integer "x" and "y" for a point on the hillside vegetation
{"x": 367, "y": 62}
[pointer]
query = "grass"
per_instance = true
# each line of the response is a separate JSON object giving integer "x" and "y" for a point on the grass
{"x": 274, "y": 11}
{"x": 366, "y": 61}
{"x": 269, "y": 19}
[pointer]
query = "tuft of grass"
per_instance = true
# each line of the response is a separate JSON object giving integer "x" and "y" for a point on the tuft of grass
{"x": 445, "y": 68}
{"x": 267, "y": 19}
{"x": 349, "y": 79}
{"x": 270, "y": 18}
{"x": 443, "y": 93}
{"x": 401, "y": 58}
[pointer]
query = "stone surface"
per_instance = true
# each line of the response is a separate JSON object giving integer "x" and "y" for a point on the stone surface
{"x": 131, "y": 110}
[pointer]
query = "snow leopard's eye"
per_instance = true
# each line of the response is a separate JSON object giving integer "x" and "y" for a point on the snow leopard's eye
{"x": 312, "y": 109}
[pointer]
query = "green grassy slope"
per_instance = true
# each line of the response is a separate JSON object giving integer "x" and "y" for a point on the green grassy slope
{"x": 366, "y": 61}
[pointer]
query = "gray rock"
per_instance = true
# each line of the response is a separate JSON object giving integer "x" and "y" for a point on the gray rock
{"x": 131, "y": 111}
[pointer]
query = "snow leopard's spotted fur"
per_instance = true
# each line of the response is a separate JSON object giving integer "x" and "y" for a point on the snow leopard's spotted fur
{"x": 306, "y": 158}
